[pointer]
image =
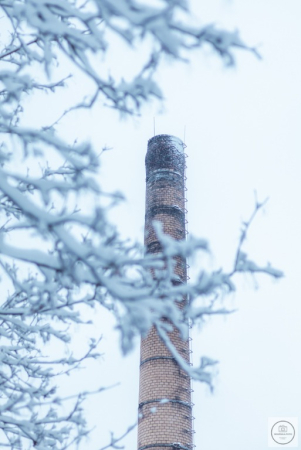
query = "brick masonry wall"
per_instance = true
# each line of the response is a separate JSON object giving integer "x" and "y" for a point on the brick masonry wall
{"x": 164, "y": 424}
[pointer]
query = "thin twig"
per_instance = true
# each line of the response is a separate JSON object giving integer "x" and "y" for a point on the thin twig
{"x": 17, "y": 49}
{"x": 245, "y": 229}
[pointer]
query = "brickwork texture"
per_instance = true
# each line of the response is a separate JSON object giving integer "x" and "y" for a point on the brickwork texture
{"x": 165, "y": 416}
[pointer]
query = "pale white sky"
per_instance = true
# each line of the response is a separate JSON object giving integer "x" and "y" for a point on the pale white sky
{"x": 242, "y": 134}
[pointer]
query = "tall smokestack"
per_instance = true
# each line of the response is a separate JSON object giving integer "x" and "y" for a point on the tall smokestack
{"x": 165, "y": 424}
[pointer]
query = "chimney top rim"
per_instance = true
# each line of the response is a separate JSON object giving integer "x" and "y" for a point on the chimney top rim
{"x": 179, "y": 144}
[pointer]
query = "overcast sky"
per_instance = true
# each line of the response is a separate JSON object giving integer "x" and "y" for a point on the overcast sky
{"x": 242, "y": 131}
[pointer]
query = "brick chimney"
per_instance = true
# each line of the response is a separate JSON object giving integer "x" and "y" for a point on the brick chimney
{"x": 165, "y": 408}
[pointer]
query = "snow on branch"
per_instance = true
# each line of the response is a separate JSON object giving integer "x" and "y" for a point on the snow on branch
{"x": 80, "y": 33}
{"x": 66, "y": 260}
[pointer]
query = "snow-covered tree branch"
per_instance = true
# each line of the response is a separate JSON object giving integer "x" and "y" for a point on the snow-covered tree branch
{"x": 70, "y": 259}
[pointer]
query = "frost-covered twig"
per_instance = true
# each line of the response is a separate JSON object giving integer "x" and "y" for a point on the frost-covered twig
{"x": 115, "y": 440}
{"x": 245, "y": 227}
{"x": 14, "y": 50}
{"x": 242, "y": 264}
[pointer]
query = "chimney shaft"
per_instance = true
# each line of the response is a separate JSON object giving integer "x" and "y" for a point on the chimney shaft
{"x": 165, "y": 416}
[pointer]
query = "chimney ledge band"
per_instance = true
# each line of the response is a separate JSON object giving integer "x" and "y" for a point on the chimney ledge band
{"x": 174, "y": 446}
{"x": 164, "y": 174}
{"x": 154, "y": 358}
{"x": 165, "y": 401}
